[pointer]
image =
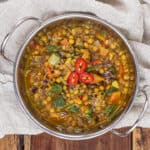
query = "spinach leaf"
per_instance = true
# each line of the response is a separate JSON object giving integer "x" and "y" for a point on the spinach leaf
{"x": 89, "y": 113}
{"x": 53, "y": 48}
{"x": 113, "y": 70}
{"x": 73, "y": 53}
{"x": 56, "y": 89}
{"x": 73, "y": 108}
{"x": 90, "y": 97}
{"x": 110, "y": 91}
{"x": 110, "y": 109}
{"x": 102, "y": 33}
{"x": 59, "y": 102}
{"x": 90, "y": 69}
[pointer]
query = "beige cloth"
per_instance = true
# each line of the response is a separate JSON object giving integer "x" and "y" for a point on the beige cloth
{"x": 131, "y": 18}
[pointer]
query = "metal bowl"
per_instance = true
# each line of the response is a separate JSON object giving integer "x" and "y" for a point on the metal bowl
{"x": 19, "y": 89}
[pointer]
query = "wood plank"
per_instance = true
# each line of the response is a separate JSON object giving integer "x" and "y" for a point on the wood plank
{"x": 27, "y": 142}
{"x": 105, "y": 142}
{"x": 9, "y": 142}
{"x": 141, "y": 139}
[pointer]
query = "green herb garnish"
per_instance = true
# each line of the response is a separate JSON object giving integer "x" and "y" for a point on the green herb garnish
{"x": 90, "y": 113}
{"x": 90, "y": 69}
{"x": 59, "y": 102}
{"x": 56, "y": 89}
{"x": 53, "y": 48}
{"x": 73, "y": 108}
{"x": 73, "y": 53}
{"x": 102, "y": 32}
{"x": 110, "y": 109}
{"x": 89, "y": 97}
{"x": 113, "y": 70}
{"x": 110, "y": 91}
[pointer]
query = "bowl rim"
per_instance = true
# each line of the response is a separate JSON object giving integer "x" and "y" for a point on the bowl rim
{"x": 29, "y": 114}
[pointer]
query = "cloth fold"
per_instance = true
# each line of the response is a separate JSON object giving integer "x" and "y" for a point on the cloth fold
{"x": 131, "y": 18}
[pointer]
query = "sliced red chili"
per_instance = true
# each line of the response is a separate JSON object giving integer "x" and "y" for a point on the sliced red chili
{"x": 73, "y": 78}
{"x": 96, "y": 62}
{"x": 80, "y": 65}
{"x": 86, "y": 77}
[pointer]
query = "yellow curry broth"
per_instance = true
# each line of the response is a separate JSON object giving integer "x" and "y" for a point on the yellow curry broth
{"x": 74, "y": 97}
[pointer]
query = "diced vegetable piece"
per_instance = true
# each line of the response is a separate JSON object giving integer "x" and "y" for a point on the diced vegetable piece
{"x": 53, "y": 48}
{"x": 115, "y": 84}
{"x": 104, "y": 51}
{"x": 110, "y": 109}
{"x": 56, "y": 89}
{"x": 59, "y": 102}
{"x": 54, "y": 59}
{"x": 121, "y": 71}
{"x": 48, "y": 69}
{"x": 100, "y": 36}
{"x": 114, "y": 98}
{"x": 64, "y": 42}
{"x": 86, "y": 54}
{"x": 74, "y": 108}
{"x": 96, "y": 62}
{"x": 110, "y": 91}
{"x": 97, "y": 78}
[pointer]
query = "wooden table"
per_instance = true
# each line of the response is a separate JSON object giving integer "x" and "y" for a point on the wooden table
{"x": 138, "y": 140}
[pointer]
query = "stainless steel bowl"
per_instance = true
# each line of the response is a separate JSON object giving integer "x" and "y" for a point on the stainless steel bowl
{"x": 19, "y": 90}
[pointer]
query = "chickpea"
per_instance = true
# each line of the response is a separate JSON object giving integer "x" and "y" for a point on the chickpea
{"x": 71, "y": 41}
{"x": 101, "y": 70}
{"x": 68, "y": 55}
{"x": 96, "y": 90}
{"x": 86, "y": 45}
{"x": 57, "y": 73}
{"x": 85, "y": 97}
{"x": 101, "y": 88}
{"x": 90, "y": 41}
{"x": 51, "y": 110}
{"x": 126, "y": 77}
{"x": 64, "y": 87}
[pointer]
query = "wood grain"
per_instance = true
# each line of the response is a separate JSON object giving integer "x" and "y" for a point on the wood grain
{"x": 105, "y": 142}
{"x": 141, "y": 139}
{"x": 9, "y": 143}
{"x": 138, "y": 140}
{"x": 27, "y": 142}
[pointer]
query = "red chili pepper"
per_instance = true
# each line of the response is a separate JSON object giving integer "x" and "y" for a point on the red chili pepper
{"x": 73, "y": 78}
{"x": 86, "y": 77}
{"x": 80, "y": 65}
{"x": 96, "y": 62}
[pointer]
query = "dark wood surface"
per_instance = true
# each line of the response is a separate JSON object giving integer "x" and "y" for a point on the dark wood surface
{"x": 138, "y": 140}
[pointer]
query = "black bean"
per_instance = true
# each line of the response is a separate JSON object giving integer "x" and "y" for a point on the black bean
{"x": 34, "y": 89}
{"x": 45, "y": 81}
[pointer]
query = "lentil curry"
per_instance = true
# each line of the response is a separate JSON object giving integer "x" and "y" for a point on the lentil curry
{"x": 78, "y": 75}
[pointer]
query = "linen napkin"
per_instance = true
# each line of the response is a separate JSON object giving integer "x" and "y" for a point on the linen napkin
{"x": 131, "y": 18}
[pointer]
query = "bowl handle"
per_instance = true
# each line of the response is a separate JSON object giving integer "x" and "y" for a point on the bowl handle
{"x": 8, "y": 35}
{"x": 126, "y": 133}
